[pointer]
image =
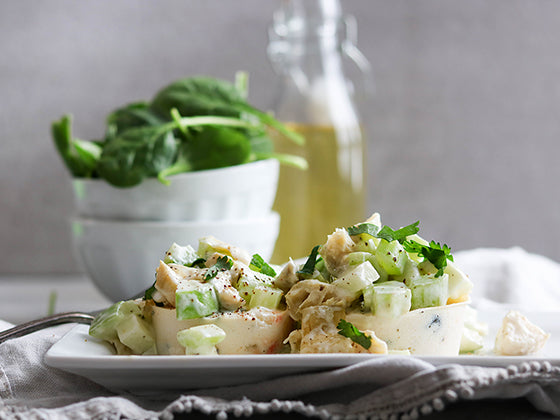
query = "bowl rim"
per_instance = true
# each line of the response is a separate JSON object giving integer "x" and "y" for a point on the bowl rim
{"x": 257, "y": 164}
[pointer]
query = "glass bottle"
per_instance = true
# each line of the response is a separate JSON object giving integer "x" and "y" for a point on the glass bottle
{"x": 322, "y": 78}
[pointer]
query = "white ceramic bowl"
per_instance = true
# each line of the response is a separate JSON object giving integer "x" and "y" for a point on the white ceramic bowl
{"x": 236, "y": 192}
{"x": 121, "y": 257}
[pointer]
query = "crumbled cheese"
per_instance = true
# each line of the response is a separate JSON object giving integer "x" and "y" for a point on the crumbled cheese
{"x": 518, "y": 336}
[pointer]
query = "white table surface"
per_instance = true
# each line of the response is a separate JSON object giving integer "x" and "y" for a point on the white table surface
{"x": 27, "y": 297}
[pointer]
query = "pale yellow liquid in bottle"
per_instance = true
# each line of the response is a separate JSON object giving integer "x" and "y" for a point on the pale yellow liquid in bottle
{"x": 328, "y": 195}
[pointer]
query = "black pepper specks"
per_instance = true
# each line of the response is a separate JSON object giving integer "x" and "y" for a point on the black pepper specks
{"x": 435, "y": 323}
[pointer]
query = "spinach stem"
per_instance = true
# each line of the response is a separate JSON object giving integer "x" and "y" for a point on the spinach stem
{"x": 214, "y": 120}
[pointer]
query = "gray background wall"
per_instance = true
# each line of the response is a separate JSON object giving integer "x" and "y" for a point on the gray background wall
{"x": 465, "y": 120}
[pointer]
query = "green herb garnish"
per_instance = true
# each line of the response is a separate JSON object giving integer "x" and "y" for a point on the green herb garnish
{"x": 198, "y": 263}
{"x": 260, "y": 265}
{"x": 223, "y": 264}
{"x": 309, "y": 267}
{"x": 385, "y": 232}
{"x": 148, "y": 294}
{"x": 434, "y": 252}
{"x": 348, "y": 330}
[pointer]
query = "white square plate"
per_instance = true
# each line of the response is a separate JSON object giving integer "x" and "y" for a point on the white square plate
{"x": 83, "y": 355}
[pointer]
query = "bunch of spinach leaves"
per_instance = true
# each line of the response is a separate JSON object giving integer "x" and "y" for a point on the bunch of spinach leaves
{"x": 192, "y": 124}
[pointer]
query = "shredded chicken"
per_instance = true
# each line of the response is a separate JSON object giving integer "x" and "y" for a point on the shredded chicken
{"x": 335, "y": 251}
{"x": 287, "y": 277}
{"x": 311, "y": 293}
{"x": 168, "y": 277}
{"x": 319, "y": 334}
{"x": 229, "y": 297}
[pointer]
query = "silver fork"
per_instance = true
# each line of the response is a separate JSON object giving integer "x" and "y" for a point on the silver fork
{"x": 48, "y": 321}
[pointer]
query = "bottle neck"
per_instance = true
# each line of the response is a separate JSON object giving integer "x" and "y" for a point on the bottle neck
{"x": 308, "y": 40}
{"x": 304, "y": 29}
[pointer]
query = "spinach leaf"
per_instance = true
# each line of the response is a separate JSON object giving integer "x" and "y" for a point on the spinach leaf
{"x": 136, "y": 154}
{"x": 89, "y": 152}
{"x": 192, "y": 124}
{"x": 197, "y": 96}
{"x": 217, "y": 147}
{"x": 137, "y": 114}
{"x": 208, "y": 96}
{"x": 260, "y": 142}
{"x": 62, "y": 135}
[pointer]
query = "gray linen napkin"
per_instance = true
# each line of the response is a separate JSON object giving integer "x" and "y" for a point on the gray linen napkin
{"x": 392, "y": 387}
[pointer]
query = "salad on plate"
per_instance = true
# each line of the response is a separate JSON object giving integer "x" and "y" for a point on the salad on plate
{"x": 367, "y": 289}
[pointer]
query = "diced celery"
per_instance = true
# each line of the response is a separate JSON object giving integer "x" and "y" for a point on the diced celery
{"x": 137, "y": 334}
{"x": 429, "y": 291}
{"x": 177, "y": 254}
{"x": 104, "y": 326}
{"x": 426, "y": 268}
{"x": 321, "y": 271}
{"x": 201, "y": 339}
{"x": 246, "y": 284}
{"x": 357, "y": 258}
{"x": 410, "y": 272}
{"x": 390, "y": 299}
{"x": 391, "y": 256}
{"x": 365, "y": 243}
{"x": 194, "y": 299}
{"x": 269, "y": 297}
{"x": 357, "y": 278}
{"x": 258, "y": 291}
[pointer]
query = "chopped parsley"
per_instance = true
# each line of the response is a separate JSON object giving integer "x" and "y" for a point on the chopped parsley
{"x": 309, "y": 267}
{"x": 348, "y": 330}
{"x": 150, "y": 291}
{"x": 385, "y": 232}
{"x": 198, "y": 263}
{"x": 224, "y": 263}
{"x": 259, "y": 264}
{"x": 434, "y": 252}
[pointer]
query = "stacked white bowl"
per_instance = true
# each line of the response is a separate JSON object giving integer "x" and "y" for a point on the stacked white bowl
{"x": 120, "y": 234}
